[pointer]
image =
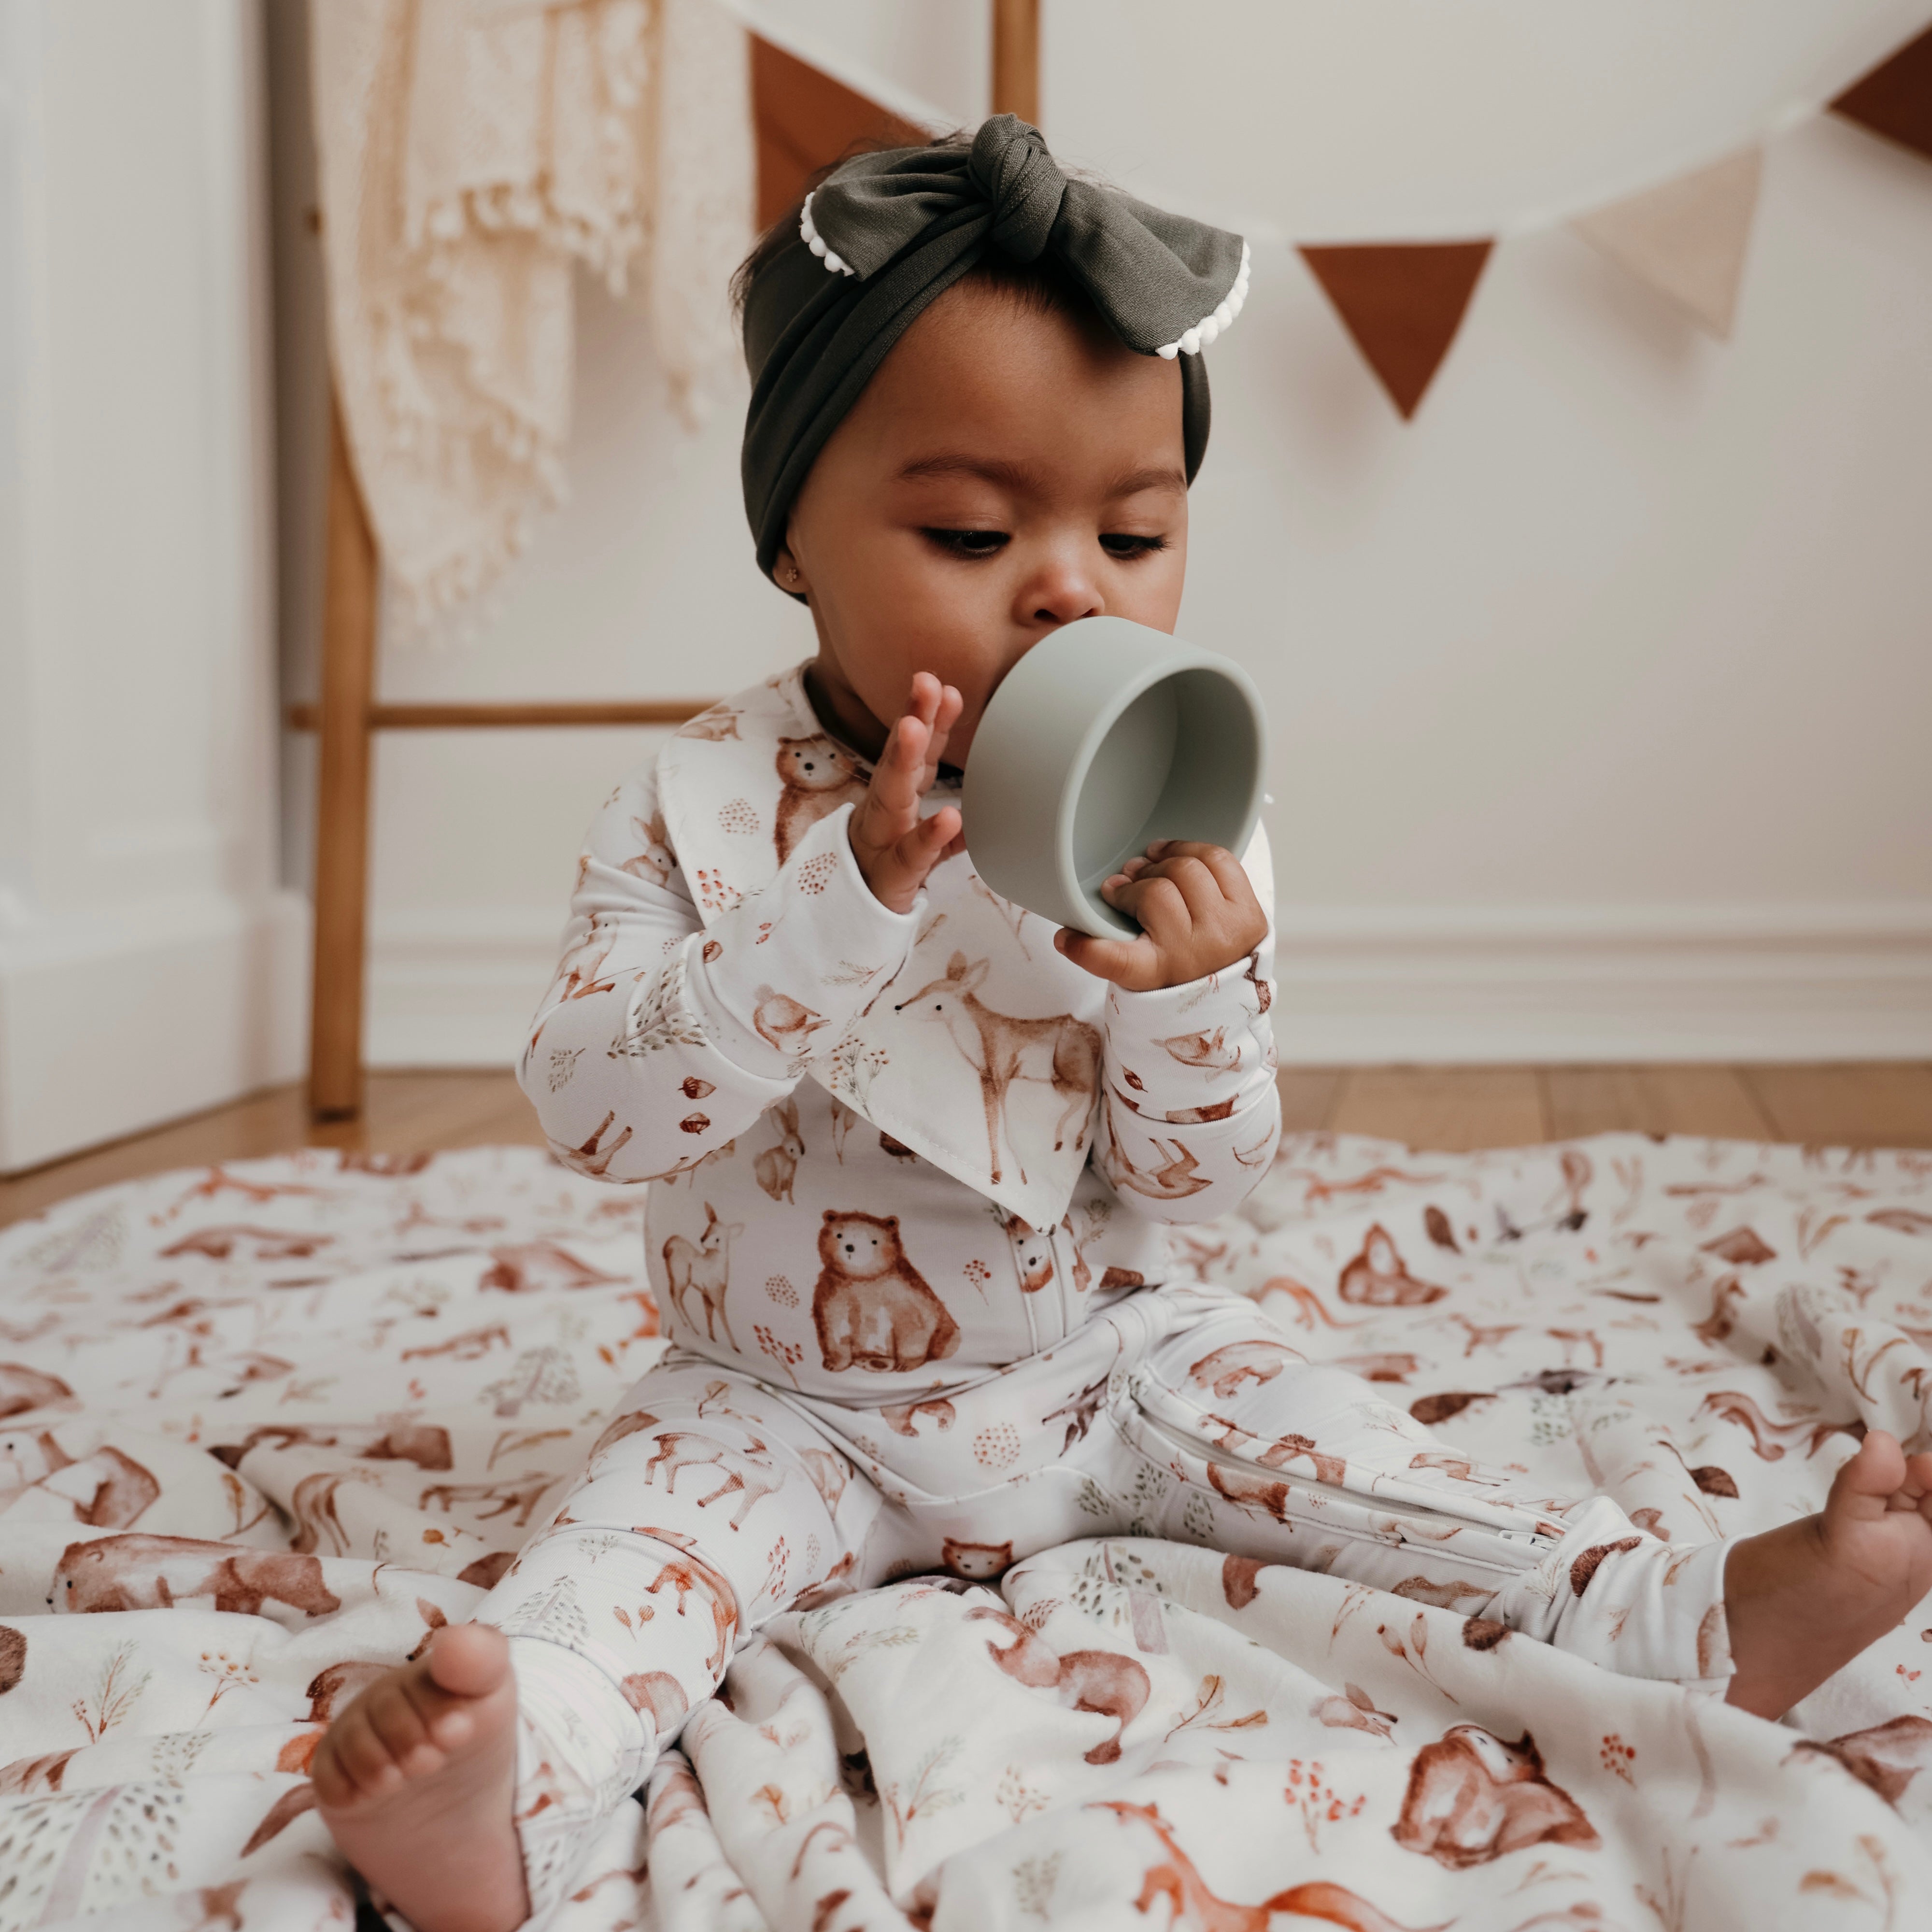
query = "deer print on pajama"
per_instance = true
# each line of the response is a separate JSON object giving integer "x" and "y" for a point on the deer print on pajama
{"x": 876, "y": 1338}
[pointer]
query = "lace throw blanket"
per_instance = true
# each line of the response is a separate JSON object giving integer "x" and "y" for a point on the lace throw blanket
{"x": 472, "y": 154}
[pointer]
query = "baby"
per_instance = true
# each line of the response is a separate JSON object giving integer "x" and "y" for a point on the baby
{"x": 914, "y": 1151}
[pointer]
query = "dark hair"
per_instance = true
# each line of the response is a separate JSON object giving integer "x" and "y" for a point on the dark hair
{"x": 1039, "y": 287}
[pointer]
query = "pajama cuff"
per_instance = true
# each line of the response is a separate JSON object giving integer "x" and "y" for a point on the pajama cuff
{"x": 1621, "y": 1599}
{"x": 777, "y": 981}
{"x": 1198, "y": 1044}
{"x": 581, "y": 1749}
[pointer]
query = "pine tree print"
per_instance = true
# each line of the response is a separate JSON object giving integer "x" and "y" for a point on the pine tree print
{"x": 553, "y": 1614}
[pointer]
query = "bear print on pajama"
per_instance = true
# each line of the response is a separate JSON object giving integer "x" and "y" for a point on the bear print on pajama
{"x": 871, "y": 1308}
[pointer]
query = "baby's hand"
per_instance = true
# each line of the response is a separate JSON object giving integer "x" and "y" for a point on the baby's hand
{"x": 1198, "y": 913}
{"x": 895, "y": 848}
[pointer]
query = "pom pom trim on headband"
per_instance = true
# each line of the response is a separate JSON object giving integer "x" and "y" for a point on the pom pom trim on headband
{"x": 815, "y": 241}
{"x": 1189, "y": 342}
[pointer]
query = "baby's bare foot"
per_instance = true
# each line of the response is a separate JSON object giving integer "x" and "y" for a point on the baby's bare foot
{"x": 1803, "y": 1600}
{"x": 417, "y": 1780}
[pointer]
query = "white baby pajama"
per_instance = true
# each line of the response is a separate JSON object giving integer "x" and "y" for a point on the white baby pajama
{"x": 912, "y": 1174}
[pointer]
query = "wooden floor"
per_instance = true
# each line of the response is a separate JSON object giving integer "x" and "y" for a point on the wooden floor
{"x": 1886, "y": 1104}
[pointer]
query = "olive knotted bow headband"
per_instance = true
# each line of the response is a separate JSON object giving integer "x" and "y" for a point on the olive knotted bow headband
{"x": 885, "y": 234}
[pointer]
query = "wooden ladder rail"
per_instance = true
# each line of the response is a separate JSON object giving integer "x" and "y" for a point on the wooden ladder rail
{"x": 346, "y": 718}
{"x": 342, "y": 790}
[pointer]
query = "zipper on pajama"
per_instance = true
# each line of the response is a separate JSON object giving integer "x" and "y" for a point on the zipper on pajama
{"x": 1391, "y": 1506}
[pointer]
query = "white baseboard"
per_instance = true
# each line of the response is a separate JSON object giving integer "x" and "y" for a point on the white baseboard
{"x": 456, "y": 987}
{"x": 1357, "y": 986}
{"x": 115, "y": 1021}
{"x": 1605, "y": 983}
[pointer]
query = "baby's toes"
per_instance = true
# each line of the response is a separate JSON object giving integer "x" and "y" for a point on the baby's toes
{"x": 447, "y": 1719}
{"x": 352, "y": 1763}
{"x": 393, "y": 1716}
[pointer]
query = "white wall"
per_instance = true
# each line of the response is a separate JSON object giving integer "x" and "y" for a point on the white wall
{"x": 149, "y": 964}
{"x": 1599, "y": 691}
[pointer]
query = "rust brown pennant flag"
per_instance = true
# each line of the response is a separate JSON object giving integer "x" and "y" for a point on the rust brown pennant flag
{"x": 805, "y": 120}
{"x": 1403, "y": 303}
{"x": 1895, "y": 98}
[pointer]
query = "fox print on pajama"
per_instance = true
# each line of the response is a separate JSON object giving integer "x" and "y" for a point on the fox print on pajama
{"x": 954, "y": 1338}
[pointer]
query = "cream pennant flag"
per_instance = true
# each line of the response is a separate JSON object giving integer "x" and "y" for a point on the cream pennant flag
{"x": 1687, "y": 238}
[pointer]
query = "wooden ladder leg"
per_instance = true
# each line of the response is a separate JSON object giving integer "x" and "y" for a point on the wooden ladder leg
{"x": 1016, "y": 59}
{"x": 342, "y": 806}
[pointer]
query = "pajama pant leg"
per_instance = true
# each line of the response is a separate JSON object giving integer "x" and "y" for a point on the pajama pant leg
{"x": 707, "y": 1506}
{"x": 1282, "y": 1460}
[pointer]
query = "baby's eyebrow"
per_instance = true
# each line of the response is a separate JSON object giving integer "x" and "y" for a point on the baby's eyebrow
{"x": 1017, "y": 477}
{"x": 1014, "y": 476}
{"x": 1160, "y": 476}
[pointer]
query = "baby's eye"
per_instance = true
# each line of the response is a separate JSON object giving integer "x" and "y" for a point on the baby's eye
{"x": 970, "y": 543}
{"x": 1117, "y": 544}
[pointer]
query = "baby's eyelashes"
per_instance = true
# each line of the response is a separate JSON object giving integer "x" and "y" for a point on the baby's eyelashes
{"x": 969, "y": 543}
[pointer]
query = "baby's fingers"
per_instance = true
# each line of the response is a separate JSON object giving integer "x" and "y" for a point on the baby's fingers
{"x": 1226, "y": 870}
{"x": 1131, "y": 963}
{"x": 896, "y": 783}
{"x": 896, "y": 874}
{"x": 1156, "y": 903}
{"x": 945, "y": 715}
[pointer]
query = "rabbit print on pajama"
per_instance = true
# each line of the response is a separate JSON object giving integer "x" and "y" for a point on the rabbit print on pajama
{"x": 953, "y": 1338}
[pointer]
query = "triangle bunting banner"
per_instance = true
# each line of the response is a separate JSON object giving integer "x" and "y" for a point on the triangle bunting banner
{"x": 1403, "y": 303}
{"x": 1687, "y": 238}
{"x": 1895, "y": 99}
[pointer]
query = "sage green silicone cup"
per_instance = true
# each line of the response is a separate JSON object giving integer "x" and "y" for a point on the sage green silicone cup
{"x": 1104, "y": 737}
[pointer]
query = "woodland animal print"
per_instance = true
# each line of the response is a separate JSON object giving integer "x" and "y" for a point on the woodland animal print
{"x": 816, "y": 778}
{"x": 1174, "y": 1179}
{"x": 1472, "y": 1798}
{"x": 1175, "y": 1880}
{"x": 426, "y": 1445}
{"x": 1061, "y": 1052}
{"x": 871, "y": 1307}
{"x": 1097, "y": 1680}
{"x": 107, "y": 1489}
{"x": 1032, "y": 1254}
{"x": 1353, "y": 1752}
{"x": 1378, "y": 1277}
{"x": 23, "y": 1389}
{"x": 980, "y": 1561}
{"x": 748, "y": 1473}
{"x": 1224, "y": 1369}
{"x": 154, "y": 1572}
{"x": 653, "y": 862}
{"x": 703, "y": 1268}
{"x": 777, "y": 1167}
{"x": 783, "y": 1021}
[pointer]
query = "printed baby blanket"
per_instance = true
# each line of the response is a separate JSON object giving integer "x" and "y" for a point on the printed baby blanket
{"x": 265, "y": 1426}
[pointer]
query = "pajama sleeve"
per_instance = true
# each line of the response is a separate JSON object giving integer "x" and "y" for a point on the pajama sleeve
{"x": 1189, "y": 1112}
{"x": 662, "y": 1038}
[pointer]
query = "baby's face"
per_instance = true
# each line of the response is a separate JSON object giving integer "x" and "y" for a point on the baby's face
{"x": 1005, "y": 472}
